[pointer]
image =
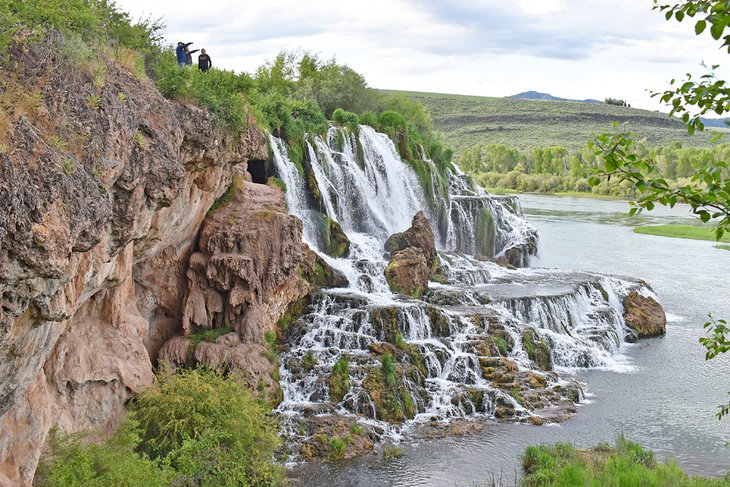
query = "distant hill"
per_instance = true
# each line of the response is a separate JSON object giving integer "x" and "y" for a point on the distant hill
{"x": 465, "y": 120}
{"x": 716, "y": 122}
{"x": 536, "y": 95}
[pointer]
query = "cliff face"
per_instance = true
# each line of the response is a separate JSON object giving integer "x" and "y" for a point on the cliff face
{"x": 105, "y": 185}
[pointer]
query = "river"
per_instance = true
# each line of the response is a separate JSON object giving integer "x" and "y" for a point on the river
{"x": 664, "y": 396}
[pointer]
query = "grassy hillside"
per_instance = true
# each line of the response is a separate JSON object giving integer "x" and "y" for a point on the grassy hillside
{"x": 525, "y": 124}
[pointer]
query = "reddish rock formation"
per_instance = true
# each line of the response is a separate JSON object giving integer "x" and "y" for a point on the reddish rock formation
{"x": 419, "y": 235}
{"x": 95, "y": 235}
{"x": 414, "y": 258}
{"x": 250, "y": 266}
{"x": 644, "y": 315}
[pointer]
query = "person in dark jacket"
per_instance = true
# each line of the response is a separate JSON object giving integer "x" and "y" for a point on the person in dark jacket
{"x": 204, "y": 62}
{"x": 189, "y": 56}
{"x": 180, "y": 51}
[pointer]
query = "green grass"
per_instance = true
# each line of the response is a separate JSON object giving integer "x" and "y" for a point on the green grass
{"x": 465, "y": 120}
{"x": 722, "y": 247}
{"x": 625, "y": 463}
{"x": 681, "y": 231}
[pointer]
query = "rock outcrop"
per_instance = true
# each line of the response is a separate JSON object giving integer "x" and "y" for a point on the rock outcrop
{"x": 250, "y": 266}
{"x": 414, "y": 258}
{"x": 101, "y": 207}
{"x": 644, "y": 315}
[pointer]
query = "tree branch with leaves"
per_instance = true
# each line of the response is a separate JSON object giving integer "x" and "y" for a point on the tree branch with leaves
{"x": 708, "y": 192}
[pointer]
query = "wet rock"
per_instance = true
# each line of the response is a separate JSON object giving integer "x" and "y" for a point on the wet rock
{"x": 336, "y": 438}
{"x": 382, "y": 348}
{"x": 413, "y": 258}
{"x": 331, "y": 238}
{"x": 644, "y": 315}
{"x": 537, "y": 348}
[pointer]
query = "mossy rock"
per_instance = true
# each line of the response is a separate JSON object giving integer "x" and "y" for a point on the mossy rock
{"x": 321, "y": 274}
{"x": 486, "y": 234}
{"x": 339, "y": 380}
{"x": 385, "y": 323}
{"x": 393, "y": 404}
{"x": 537, "y": 348}
{"x": 439, "y": 322}
{"x": 330, "y": 237}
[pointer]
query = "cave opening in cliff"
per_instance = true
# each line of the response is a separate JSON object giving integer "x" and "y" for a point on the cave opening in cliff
{"x": 257, "y": 170}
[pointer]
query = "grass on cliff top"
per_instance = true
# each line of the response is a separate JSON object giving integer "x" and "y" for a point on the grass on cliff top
{"x": 465, "y": 121}
{"x": 624, "y": 464}
{"x": 681, "y": 231}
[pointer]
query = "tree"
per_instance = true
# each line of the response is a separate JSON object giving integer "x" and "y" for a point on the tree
{"x": 708, "y": 192}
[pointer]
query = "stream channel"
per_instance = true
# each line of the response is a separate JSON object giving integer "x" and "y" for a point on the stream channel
{"x": 662, "y": 393}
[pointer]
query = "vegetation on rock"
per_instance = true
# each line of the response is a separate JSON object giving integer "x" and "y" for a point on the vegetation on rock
{"x": 340, "y": 379}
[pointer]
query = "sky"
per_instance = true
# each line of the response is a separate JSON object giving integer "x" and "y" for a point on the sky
{"x": 575, "y": 49}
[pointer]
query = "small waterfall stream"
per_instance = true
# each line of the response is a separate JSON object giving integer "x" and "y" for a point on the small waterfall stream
{"x": 482, "y": 343}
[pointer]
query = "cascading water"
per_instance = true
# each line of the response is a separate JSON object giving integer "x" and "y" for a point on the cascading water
{"x": 483, "y": 342}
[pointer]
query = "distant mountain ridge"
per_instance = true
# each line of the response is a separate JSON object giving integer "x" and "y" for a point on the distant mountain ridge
{"x": 536, "y": 95}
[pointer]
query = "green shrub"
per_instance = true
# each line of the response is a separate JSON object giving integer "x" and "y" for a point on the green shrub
{"x": 275, "y": 182}
{"x": 337, "y": 447}
{"x": 270, "y": 338}
{"x": 391, "y": 451}
{"x": 345, "y": 119}
{"x": 392, "y": 123}
{"x": 626, "y": 463}
{"x": 75, "y": 461}
{"x": 368, "y": 118}
{"x": 207, "y": 427}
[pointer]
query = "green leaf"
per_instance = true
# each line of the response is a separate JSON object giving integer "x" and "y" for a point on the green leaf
{"x": 700, "y": 27}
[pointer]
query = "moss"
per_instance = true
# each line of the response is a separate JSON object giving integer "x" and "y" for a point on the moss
{"x": 486, "y": 234}
{"x": 501, "y": 345}
{"x": 393, "y": 402}
{"x": 294, "y": 311}
{"x": 340, "y": 379}
{"x": 275, "y": 182}
{"x": 309, "y": 361}
{"x": 385, "y": 323}
{"x": 230, "y": 193}
{"x": 439, "y": 322}
{"x": 331, "y": 238}
{"x": 537, "y": 348}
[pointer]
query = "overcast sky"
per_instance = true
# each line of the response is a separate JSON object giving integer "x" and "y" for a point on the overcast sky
{"x": 569, "y": 48}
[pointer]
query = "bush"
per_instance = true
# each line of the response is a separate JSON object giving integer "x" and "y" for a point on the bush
{"x": 368, "y": 118}
{"x": 626, "y": 463}
{"x": 75, "y": 461}
{"x": 346, "y": 119}
{"x": 208, "y": 427}
{"x": 392, "y": 123}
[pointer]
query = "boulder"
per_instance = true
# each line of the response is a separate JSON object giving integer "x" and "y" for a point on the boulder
{"x": 644, "y": 315}
{"x": 414, "y": 258}
{"x": 419, "y": 235}
{"x": 408, "y": 272}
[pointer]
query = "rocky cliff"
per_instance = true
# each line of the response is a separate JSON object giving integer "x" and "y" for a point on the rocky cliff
{"x": 105, "y": 188}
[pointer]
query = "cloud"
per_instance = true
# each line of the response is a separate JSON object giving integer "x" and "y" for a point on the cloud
{"x": 581, "y": 48}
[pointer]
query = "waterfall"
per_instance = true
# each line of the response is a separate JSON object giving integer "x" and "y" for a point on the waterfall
{"x": 479, "y": 343}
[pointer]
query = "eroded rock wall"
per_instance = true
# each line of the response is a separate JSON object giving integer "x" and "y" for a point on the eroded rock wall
{"x": 101, "y": 205}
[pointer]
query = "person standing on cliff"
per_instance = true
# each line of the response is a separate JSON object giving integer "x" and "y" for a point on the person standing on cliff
{"x": 204, "y": 62}
{"x": 189, "y": 56}
{"x": 180, "y": 52}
